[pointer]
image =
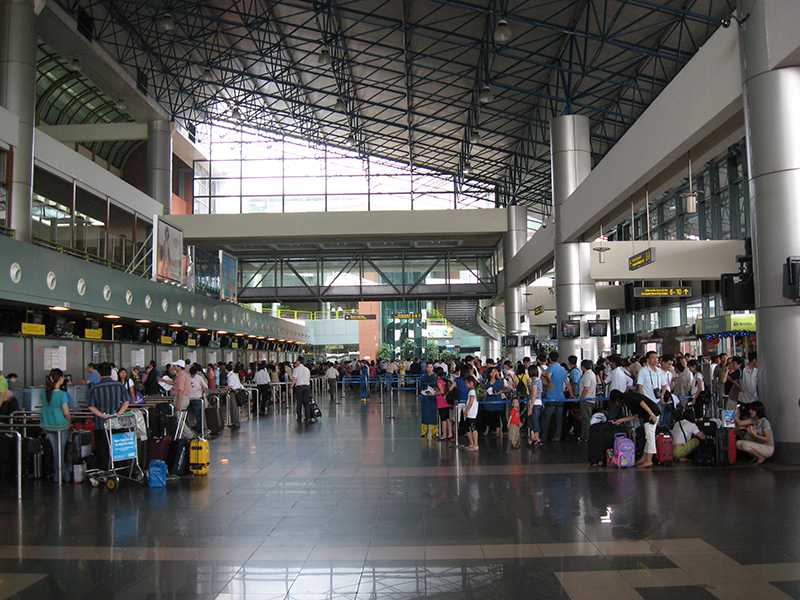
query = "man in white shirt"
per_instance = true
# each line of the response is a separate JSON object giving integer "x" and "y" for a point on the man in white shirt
{"x": 301, "y": 387}
{"x": 665, "y": 420}
{"x": 698, "y": 387}
{"x": 651, "y": 381}
{"x": 391, "y": 370}
{"x": 588, "y": 390}
{"x": 749, "y": 381}
{"x": 619, "y": 380}
{"x": 233, "y": 384}
{"x": 262, "y": 383}
{"x": 332, "y": 377}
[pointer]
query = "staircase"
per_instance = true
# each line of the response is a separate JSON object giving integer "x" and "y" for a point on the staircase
{"x": 467, "y": 315}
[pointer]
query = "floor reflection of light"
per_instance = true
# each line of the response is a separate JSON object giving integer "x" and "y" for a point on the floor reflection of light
{"x": 607, "y": 517}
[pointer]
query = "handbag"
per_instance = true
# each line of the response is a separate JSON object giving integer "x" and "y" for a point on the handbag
{"x": 242, "y": 397}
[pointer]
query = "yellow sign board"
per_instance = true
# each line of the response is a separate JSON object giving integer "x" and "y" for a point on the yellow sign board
{"x": 192, "y": 342}
{"x": 32, "y": 329}
{"x": 653, "y": 292}
{"x": 234, "y": 344}
{"x": 93, "y": 334}
{"x": 639, "y": 260}
{"x": 166, "y": 339}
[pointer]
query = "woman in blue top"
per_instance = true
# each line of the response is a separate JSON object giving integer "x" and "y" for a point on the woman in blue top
{"x": 493, "y": 402}
{"x": 364, "y": 378}
{"x": 55, "y": 416}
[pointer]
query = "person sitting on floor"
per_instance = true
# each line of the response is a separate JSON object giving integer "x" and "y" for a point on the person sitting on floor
{"x": 759, "y": 441}
{"x": 686, "y": 437}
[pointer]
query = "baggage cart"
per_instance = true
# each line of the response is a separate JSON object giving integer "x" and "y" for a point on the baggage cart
{"x": 120, "y": 432}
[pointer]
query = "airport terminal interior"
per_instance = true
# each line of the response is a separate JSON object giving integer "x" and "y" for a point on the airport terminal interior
{"x": 395, "y": 182}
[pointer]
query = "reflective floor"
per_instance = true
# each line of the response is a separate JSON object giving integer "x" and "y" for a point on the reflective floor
{"x": 357, "y": 506}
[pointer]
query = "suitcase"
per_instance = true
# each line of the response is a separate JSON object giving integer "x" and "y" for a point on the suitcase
{"x": 158, "y": 448}
{"x": 730, "y": 445}
{"x": 199, "y": 457}
{"x": 601, "y": 438}
{"x": 82, "y": 443}
{"x": 664, "y": 448}
{"x": 706, "y": 453}
{"x": 178, "y": 460}
{"x": 213, "y": 420}
{"x": 87, "y": 425}
{"x": 313, "y": 408}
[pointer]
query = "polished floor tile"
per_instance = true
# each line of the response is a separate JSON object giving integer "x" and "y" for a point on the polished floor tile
{"x": 358, "y": 506}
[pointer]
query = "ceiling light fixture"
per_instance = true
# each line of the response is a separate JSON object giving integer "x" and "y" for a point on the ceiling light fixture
{"x": 142, "y": 320}
{"x": 58, "y": 308}
{"x": 166, "y": 23}
{"x": 236, "y": 114}
{"x": 111, "y": 316}
{"x": 503, "y": 32}
{"x": 350, "y": 142}
{"x": 324, "y": 57}
{"x": 176, "y": 325}
{"x": 221, "y": 332}
{"x": 202, "y": 329}
{"x": 121, "y": 104}
{"x": 486, "y": 94}
{"x": 340, "y": 105}
{"x": 467, "y": 169}
{"x": 75, "y": 65}
{"x": 475, "y": 138}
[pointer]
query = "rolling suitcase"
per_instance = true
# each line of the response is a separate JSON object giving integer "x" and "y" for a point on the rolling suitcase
{"x": 213, "y": 420}
{"x": 706, "y": 453}
{"x": 158, "y": 448}
{"x": 178, "y": 460}
{"x": 199, "y": 457}
{"x": 664, "y": 448}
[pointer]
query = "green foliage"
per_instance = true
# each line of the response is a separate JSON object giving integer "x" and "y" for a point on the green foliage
{"x": 385, "y": 352}
{"x": 447, "y": 354}
{"x": 409, "y": 349}
{"x": 432, "y": 351}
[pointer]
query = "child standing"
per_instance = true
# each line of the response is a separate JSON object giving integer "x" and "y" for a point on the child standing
{"x": 471, "y": 414}
{"x": 513, "y": 424}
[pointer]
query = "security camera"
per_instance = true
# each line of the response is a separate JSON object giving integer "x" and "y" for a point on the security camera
{"x": 544, "y": 223}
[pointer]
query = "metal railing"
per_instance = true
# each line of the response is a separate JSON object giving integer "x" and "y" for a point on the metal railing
{"x": 491, "y": 321}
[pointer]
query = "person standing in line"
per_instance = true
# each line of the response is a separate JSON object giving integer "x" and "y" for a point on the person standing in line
{"x": 363, "y": 380}
{"x": 471, "y": 414}
{"x": 332, "y": 379}
{"x": 128, "y": 383}
{"x": 232, "y": 385}
{"x": 197, "y": 387}
{"x": 56, "y": 418}
{"x": 555, "y": 378}
{"x": 262, "y": 384}
{"x": 749, "y": 380}
{"x": 513, "y": 424}
{"x": 427, "y": 394}
{"x": 588, "y": 389}
{"x": 301, "y": 388}
{"x": 535, "y": 406}
{"x": 106, "y": 399}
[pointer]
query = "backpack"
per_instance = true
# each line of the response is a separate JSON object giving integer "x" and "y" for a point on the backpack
{"x": 453, "y": 397}
{"x": 522, "y": 388}
{"x": 624, "y": 453}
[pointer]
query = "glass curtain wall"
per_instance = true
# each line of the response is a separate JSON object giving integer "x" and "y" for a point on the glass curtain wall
{"x": 250, "y": 172}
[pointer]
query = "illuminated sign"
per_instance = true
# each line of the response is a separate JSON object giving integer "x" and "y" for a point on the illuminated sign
{"x": 538, "y": 310}
{"x": 406, "y": 315}
{"x": 641, "y": 259}
{"x": 165, "y": 339}
{"x": 351, "y": 317}
{"x": 654, "y": 292}
{"x": 93, "y": 334}
{"x": 35, "y": 329}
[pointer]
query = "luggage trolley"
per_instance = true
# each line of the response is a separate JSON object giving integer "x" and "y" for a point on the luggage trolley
{"x": 120, "y": 431}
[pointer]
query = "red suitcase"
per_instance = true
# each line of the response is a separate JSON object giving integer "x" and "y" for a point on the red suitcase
{"x": 664, "y": 448}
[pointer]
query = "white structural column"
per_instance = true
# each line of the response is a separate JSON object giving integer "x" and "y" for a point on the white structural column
{"x": 18, "y": 95}
{"x": 159, "y": 163}
{"x": 490, "y": 347}
{"x": 571, "y": 162}
{"x": 772, "y": 97}
{"x": 517, "y": 321}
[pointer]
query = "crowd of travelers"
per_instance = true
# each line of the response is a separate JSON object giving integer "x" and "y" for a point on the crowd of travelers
{"x": 533, "y": 402}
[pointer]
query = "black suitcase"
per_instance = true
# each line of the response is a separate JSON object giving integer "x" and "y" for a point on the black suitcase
{"x": 178, "y": 461}
{"x": 706, "y": 453}
{"x": 213, "y": 420}
{"x": 601, "y": 438}
{"x": 314, "y": 410}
